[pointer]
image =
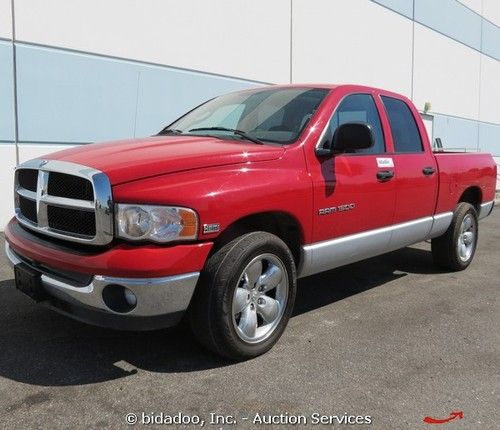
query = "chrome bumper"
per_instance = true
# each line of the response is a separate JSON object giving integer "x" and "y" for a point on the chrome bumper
{"x": 155, "y": 296}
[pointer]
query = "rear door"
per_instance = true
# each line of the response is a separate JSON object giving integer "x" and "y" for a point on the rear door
{"x": 416, "y": 178}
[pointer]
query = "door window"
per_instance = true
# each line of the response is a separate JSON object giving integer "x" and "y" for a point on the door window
{"x": 357, "y": 108}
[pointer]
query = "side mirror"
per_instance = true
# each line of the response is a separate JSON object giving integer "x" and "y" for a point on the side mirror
{"x": 352, "y": 136}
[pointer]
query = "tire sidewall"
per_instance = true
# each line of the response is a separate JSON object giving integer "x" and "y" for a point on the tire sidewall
{"x": 227, "y": 280}
{"x": 463, "y": 210}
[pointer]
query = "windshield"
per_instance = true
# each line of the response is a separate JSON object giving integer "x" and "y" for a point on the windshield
{"x": 270, "y": 115}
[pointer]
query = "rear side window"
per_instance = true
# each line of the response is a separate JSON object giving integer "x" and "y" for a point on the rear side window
{"x": 403, "y": 126}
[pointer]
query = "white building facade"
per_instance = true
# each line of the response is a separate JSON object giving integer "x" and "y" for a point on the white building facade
{"x": 74, "y": 72}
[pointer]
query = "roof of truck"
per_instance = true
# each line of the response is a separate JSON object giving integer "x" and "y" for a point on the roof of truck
{"x": 350, "y": 87}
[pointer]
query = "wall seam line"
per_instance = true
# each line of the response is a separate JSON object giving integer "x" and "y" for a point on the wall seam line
{"x": 463, "y": 118}
{"x": 53, "y": 142}
{"x": 481, "y": 14}
{"x": 413, "y": 52}
{"x": 440, "y": 32}
{"x": 480, "y": 80}
{"x": 291, "y": 41}
{"x": 14, "y": 80}
{"x": 137, "y": 61}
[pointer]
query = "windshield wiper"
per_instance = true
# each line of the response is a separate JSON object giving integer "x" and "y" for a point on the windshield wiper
{"x": 240, "y": 133}
{"x": 170, "y": 131}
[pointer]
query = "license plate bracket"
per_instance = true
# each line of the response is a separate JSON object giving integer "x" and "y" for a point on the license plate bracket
{"x": 29, "y": 282}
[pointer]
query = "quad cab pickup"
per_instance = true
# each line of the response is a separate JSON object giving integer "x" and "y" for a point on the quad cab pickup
{"x": 218, "y": 215}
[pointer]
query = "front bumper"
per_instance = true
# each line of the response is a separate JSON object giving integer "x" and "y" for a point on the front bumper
{"x": 121, "y": 260}
{"x": 161, "y": 301}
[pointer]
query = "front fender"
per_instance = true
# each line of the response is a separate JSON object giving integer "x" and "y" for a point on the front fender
{"x": 225, "y": 195}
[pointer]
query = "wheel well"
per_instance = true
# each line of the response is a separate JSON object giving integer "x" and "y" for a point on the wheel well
{"x": 473, "y": 196}
{"x": 278, "y": 223}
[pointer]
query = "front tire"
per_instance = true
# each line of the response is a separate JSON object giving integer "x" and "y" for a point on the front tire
{"x": 455, "y": 249}
{"x": 245, "y": 296}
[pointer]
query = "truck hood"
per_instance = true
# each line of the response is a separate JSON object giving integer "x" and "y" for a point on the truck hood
{"x": 133, "y": 159}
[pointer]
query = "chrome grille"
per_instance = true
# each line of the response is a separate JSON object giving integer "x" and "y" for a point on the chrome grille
{"x": 72, "y": 187}
{"x": 28, "y": 179}
{"x": 28, "y": 208}
{"x": 64, "y": 200}
{"x": 74, "y": 221}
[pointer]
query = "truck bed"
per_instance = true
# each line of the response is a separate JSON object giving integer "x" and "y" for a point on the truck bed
{"x": 458, "y": 171}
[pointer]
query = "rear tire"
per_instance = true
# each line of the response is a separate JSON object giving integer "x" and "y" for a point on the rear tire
{"x": 455, "y": 249}
{"x": 245, "y": 296}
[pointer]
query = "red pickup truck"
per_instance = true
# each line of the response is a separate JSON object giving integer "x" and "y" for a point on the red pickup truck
{"x": 218, "y": 215}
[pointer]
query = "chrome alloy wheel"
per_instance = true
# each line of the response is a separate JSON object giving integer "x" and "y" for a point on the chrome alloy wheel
{"x": 467, "y": 238}
{"x": 260, "y": 298}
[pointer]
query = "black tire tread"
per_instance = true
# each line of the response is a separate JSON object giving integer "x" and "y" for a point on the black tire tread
{"x": 444, "y": 252}
{"x": 215, "y": 331}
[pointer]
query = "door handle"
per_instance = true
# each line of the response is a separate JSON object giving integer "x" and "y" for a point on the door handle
{"x": 385, "y": 175}
{"x": 427, "y": 171}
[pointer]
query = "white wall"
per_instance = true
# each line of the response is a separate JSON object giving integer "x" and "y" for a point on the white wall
{"x": 27, "y": 151}
{"x": 490, "y": 90}
{"x": 8, "y": 157}
{"x": 446, "y": 74}
{"x": 7, "y": 150}
{"x": 239, "y": 38}
{"x": 491, "y": 10}
{"x": 5, "y": 19}
{"x": 348, "y": 47}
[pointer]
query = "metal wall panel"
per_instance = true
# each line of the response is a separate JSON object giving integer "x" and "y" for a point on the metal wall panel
{"x": 489, "y": 138}
{"x": 452, "y": 19}
{"x": 71, "y": 97}
{"x": 359, "y": 42}
{"x": 247, "y": 39}
{"x": 446, "y": 73}
{"x": 491, "y": 40}
{"x": 456, "y": 133}
{"x": 7, "y": 124}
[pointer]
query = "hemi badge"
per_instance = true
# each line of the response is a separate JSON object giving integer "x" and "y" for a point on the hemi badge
{"x": 211, "y": 228}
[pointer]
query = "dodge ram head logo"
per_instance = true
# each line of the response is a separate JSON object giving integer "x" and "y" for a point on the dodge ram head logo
{"x": 335, "y": 209}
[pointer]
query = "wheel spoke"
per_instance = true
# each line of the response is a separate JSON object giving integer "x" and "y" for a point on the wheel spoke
{"x": 253, "y": 273}
{"x": 248, "y": 321}
{"x": 271, "y": 278}
{"x": 268, "y": 308}
{"x": 463, "y": 250}
{"x": 244, "y": 283}
{"x": 240, "y": 300}
{"x": 467, "y": 223}
{"x": 255, "y": 315}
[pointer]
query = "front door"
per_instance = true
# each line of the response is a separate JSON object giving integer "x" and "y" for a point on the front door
{"x": 354, "y": 193}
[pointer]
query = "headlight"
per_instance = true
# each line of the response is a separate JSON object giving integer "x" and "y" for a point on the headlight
{"x": 156, "y": 223}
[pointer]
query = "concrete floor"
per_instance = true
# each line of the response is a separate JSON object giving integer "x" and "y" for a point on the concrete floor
{"x": 390, "y": 337}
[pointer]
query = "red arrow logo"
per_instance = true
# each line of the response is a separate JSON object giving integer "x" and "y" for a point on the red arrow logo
{"x": 453, "y": 416}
